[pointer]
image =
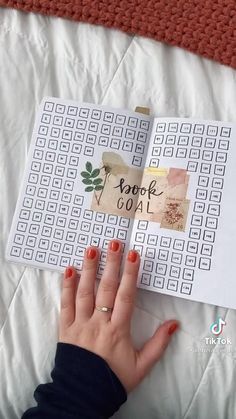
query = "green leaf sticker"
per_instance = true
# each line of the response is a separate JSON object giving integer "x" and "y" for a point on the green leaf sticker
{"x": 87, "y": 181}
{"x": 89, "y": 167}
{"x": 89, "y": 189}
{"x": 98, "y": 188}
{"x": 97, "y": 181}
{"x": 85, "y": 174}
{"x": 95, "y": 172}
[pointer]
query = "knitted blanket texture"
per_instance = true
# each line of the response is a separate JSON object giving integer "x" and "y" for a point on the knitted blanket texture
{"x": 205, "y": 27}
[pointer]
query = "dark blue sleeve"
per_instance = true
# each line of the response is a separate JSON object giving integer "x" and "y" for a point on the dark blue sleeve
{"x": 83, "y": 387}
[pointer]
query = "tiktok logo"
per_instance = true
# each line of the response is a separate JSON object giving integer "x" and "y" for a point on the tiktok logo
{"x": 217, "y": 327}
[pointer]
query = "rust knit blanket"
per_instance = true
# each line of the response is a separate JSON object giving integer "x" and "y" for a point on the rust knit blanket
{"x": 206, "y": 27}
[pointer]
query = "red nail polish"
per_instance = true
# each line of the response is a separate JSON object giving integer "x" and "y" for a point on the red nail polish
{"x": 114, "y": 245}
{"x": 91, "y": 253}
{"x": 68, "y": 273}
{"x": 173, "y": 328}
{"x": 132, "y": 256}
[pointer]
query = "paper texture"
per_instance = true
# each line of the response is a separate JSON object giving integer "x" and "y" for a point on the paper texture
{"x": 162, "y": 186}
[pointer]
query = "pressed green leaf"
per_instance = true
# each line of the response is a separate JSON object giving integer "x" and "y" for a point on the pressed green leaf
{"x": 89, "y": 167}
{"x": 98, "y": 187}
{"x": 85, "y": 174}
{"x": 97, "y": 181}
{"x": 89, "y": 189}
{"x": 87, "y": 181}
{"x": 95, "y": 172}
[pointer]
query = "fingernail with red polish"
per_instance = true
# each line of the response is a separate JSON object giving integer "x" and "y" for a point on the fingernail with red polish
{"x": 132, "y": 256}
{"x": 114, "y": 245}
{"x": 68, "y": 273}
{"x": 91, "y": 253}
{"x": 173, "y": 328}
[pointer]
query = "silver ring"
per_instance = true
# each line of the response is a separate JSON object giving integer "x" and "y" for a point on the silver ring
{"x": 104, "y": 309}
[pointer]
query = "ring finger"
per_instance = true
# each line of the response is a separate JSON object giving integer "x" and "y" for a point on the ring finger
{"x": 109, "y": 283}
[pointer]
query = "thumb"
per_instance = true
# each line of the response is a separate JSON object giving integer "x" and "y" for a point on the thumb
{"x": 154, "y": 348}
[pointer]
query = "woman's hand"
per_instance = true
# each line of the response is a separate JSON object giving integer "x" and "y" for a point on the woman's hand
{"x": 107, "y": 333}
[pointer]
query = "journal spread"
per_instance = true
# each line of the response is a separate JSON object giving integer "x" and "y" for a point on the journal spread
{"x": 164, "y": 186}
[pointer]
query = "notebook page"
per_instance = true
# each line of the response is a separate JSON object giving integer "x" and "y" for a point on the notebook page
{"x": 187, "y": 241}
{"x": 65, "y": 203}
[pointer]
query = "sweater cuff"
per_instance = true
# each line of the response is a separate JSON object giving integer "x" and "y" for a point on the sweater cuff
{"x": 88, "y": 380}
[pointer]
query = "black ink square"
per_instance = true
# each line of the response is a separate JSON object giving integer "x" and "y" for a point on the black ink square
{"x": 120, "y": 119}
{"x": 84, "y": 112}
{"x": 79, "y": 136}
{"x": 47, "y": 168}
{"x": 60, "y": 108}
{"x": 221, "y": 157}
{"x": 195, "y": 233}
{"x": 146, "y": 279}
{"x": 225, "y": 132}
{"x": 46, "y": 231}
{"x": 124, "y": 222}
{"x": 142, "y": 137}
{"x": 140, "y": 237}
{"x": 40, "y": 257}
{"x": 144, "y": 125}
{"x": 28, "y": 254}
{"x": 192, "y": 247}
{"x": 54, "y": 195}
{"x": 30, "y": 190}
{"x": 188, "y": 274}
{"x": 223, "y": 144}
{"x": 186, "y": 288}
{"x": 181, "y": 153}
{"x": 58, "y": 120}
{"x": 96, "y": 114}
{"x": 183, "y": 140}
{"x": 215, "y": 196}
{"x": 175, "y": 272}
{"x": 178, "y": 244}
{"x": 115, "y": 143}
{"x": 168, "y": 151}
{"x": 57, "y": 183}
{"x": 206, "y": 168}
{"x": 158, "y": 282}
{"x": 93, "y": 126}
{"x": 150, "y": 252}
{"x": 197, "y": 141}
{"x": 163, "y": 254}
{"x": 199, "y": 207}
{"x": 207, "y": 155}
{"x": 203, "y": 181}
{"x": 192, "y": 166}
{"x": 48, "y": 106}
{"x": 201, "y": 194}
{"x": 219, "y": 170}
{"x": 209, "y": 236}
{"x": 38, "y": 154}
{"x": 190, "y": 261}
{"x": 55, "y": 132}
{"x": 137, "y": 161}
{"x": 154, "y": 162}
{"x": 108, "y": 117}
{"x": 198, "y": 129}
{"x": 72, "y": 110}
{"x": 132, "y": 122}
{"x": 194, "y": 153}
{"x": 217, "y": 183}
{"x": 205, "y": 264}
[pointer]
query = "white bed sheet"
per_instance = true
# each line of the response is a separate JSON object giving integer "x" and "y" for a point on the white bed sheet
{"x": 42, "y": 56}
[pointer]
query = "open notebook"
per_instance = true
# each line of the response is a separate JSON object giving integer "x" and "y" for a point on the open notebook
{"x": 164, "y": 186}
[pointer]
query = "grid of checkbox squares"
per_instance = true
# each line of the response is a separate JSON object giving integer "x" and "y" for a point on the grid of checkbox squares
{"x": 51, "y": 214}
{"x": 204, "y": 151}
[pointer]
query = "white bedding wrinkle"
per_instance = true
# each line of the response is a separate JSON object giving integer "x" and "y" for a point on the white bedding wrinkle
{"x": 42, "y": 56}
